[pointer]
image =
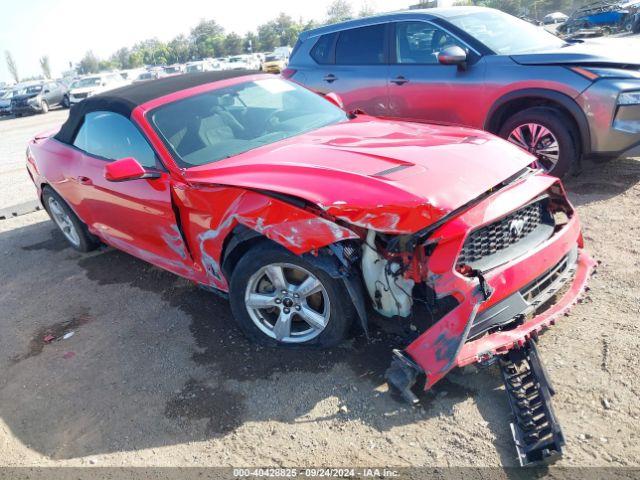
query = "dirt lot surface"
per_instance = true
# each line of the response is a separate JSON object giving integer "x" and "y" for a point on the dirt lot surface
{"x": 157, "y": 374}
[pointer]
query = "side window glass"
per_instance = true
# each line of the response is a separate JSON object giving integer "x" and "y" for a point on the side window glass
{"x": 321, "y": 52}
{"x": 112, "y": 136}
{"x": 361, "y": 46}
{"x": 420, "y": 42}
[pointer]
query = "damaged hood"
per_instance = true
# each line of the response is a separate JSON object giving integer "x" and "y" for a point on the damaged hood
{"x": 392, "y": 177}
{"x": 588, "y": 52}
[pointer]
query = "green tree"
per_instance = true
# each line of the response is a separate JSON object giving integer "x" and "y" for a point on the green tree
{"x": 88, "y": 64}
{"x": 251, "y": 43}
{"x": 44, "y": 65}
{"x": 121, "y": 58}
{"x": 281, "y": 31}
{"x": 366, "y": 10}
{"x": 208, "y": 39}
{"x": 339, "y": 11}
{"x": 179, "y": 49}
{"x": 11, "y": 66}
{"x": 233, "y": 44}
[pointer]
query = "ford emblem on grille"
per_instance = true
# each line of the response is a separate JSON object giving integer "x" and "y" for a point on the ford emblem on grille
{"x": 516, "y": 226}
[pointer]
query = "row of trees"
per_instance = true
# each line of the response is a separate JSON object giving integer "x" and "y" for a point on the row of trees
{"x": 209, "y": 39}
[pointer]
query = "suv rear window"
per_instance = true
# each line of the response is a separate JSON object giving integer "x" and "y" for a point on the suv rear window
{"x": 321, "y": 52}
{"x": 361, "y": 46}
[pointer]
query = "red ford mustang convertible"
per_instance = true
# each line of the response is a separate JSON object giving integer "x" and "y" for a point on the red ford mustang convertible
{"x": 312, "y": 219}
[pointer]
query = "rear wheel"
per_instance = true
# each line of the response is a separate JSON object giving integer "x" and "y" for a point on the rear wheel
{"x": 75, "y": 232}
{"x": 279, "y": 299}
{"x": 546, "y": 133}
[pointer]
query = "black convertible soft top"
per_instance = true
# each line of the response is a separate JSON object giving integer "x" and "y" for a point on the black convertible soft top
{"x": 124, "y": 100}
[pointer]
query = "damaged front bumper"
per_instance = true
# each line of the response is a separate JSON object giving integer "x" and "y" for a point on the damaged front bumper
{"x": 500, "y": 309}
{"x": 433, "y": 354}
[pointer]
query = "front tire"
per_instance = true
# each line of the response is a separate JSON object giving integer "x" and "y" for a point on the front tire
{"x": 74, "y": 231}
{"x": 280, "y": 299}
{"x": 546, "y": 133}
{"x": 44, "y": 106}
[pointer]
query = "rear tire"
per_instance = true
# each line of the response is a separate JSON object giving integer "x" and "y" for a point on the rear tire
{"x": 74, "y": 231}
{"x": 261, "y": 309}
{"x": 561, "y": 130}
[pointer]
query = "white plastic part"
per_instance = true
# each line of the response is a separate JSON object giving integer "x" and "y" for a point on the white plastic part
{"x": 391, "y": 295}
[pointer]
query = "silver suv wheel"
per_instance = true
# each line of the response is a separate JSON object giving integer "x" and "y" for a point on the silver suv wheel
{"x": 538, "y": 140}
{"x": 287, "y": 303}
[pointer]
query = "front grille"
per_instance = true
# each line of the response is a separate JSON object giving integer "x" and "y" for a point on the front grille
{"x": 489, "y": 245}
{"x": 80, "y": 95}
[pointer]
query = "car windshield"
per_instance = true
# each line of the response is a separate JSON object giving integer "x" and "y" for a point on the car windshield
{"x": 172, "y": 69}
{"x": 194, "y": 68}
{"x": 506, "y": 34}
{"x": 88, "y": 82}
{"x": 272, "y": 58}
{"x": 145, "y": 76}
{"x": 215, "y": 125}
{"x": 33, "y": 89}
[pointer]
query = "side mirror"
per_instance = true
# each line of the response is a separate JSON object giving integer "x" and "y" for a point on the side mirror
{"x": 453, "y": 56}
{"x": 47, "y": 90}
{"x": 127, "y": 169}
{"x": 335, "y": 99}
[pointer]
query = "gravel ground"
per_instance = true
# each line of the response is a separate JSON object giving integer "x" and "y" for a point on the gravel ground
{"x": 156, "y": 374}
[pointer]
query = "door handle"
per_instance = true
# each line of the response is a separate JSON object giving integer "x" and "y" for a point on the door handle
{"x": 84, "y": 180}
{"x": 399, "y": 80}
{"x": 330, "y": 78}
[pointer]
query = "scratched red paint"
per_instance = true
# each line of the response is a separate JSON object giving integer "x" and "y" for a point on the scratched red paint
{"x": 366, "y": 173}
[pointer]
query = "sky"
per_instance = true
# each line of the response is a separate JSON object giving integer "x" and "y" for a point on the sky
{"x": 66, "y": 29}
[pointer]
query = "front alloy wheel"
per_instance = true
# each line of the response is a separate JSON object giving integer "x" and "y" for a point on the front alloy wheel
{"x": 287, "y": 303}
{"x": 538, "y": 140}
{"x": 284, "y": 300}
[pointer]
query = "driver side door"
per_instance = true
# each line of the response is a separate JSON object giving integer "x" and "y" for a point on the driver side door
{"x": 136, "y": 215}
{"x": 421, "y": 89}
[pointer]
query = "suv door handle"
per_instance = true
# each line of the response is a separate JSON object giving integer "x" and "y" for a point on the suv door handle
{"x": 399, "y": 80}
{"x": 330, "y": 78}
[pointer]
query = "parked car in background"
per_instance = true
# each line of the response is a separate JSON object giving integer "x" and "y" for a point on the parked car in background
{"x": 239, "y": 62}
{"x": 481, "y": 68}
{"x": 94, "y": 84}
{"x": 5, "y": 101}
{"x": 555, "y": 17}
{"x": 131, "y": 73}
{"x": 274, "y": 63}
{"x": 37, "y": 97}
{"x": 199, "y": 66}
{"x": 149, "y": 75}
{"x": 175, "y": 69}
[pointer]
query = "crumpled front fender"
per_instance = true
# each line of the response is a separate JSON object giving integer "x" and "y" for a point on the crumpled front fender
{"x": 206, "y": 228}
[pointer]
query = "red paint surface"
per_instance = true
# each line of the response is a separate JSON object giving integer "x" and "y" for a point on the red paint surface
{"x": 391, "y": 177}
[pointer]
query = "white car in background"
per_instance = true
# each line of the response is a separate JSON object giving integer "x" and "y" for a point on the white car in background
{"x": 199, "y": 66}
{"x": 175, "y": 69}
{"x": 93, "y": 84}
{"x": 132, "y": 73}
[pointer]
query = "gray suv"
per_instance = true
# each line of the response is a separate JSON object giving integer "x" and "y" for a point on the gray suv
{"x": 486, "y": 69}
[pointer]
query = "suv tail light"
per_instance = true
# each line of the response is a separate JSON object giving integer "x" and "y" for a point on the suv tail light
{"x": 288, "y": 72}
